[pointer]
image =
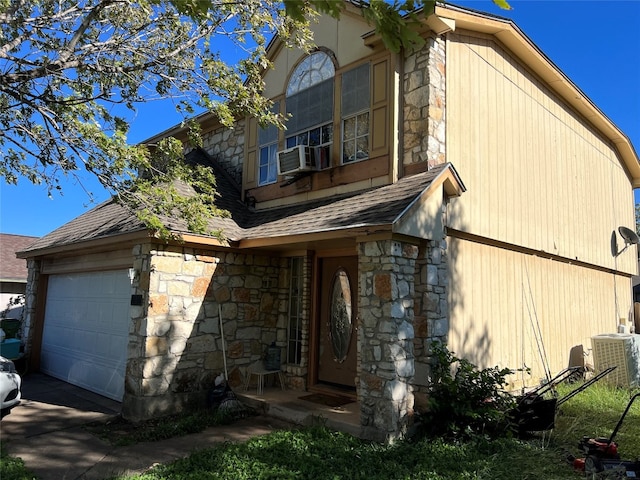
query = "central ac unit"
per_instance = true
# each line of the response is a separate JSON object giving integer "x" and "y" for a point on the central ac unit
{"x": 621, "y": 350}
{"x": 297, "y": 159}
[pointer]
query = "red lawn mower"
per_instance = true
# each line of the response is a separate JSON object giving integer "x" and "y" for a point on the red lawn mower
{"x": 602, "y": 459}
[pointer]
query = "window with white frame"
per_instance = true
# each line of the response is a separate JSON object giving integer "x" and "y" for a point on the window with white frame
{"x": 268, "y": 146}
{"x": 355, "y": 114}
{"x": 310, "y": 105}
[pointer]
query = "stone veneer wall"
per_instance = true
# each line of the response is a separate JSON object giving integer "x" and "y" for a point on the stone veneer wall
{"x": 30, "y": 300}
{"x": 386, "y": 337}
{"x": 424, "y": 104}
{"x": 175, "y": 344}
{"x": 432, "y": 310}
{"x": 425, "y": 141}
{"x": 297, "y": 374}
{"x": 226, "y": 145}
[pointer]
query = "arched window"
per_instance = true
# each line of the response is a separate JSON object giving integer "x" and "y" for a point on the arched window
{"x": 309, "y": 101}
{"x": 314, "y": 69}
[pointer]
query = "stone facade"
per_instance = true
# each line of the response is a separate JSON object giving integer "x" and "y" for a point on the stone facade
{"x": 387, "y": 270}
{"x": 432, "y": 310}
{"x": 30, "y": 302}
{"x": 424, "y": 104}
{"x": 297, "y": 373}
{"x": 176, "y": 344}
{"x": 227, "y": 147}
{"x": 404, "y": 286}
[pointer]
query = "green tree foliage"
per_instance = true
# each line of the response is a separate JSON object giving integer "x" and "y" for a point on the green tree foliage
{"x": 72, "y": 73}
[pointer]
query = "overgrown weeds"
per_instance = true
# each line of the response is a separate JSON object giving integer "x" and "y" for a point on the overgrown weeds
{"x": 120, "y": 432}
{"x": 316, "y": 453}
{"x": 595, "y": 412}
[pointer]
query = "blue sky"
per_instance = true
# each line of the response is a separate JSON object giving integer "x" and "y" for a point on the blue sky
{"x": 595, "y": 43}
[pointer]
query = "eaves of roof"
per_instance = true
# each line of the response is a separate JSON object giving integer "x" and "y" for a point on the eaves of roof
{"x": 372, "y": 211}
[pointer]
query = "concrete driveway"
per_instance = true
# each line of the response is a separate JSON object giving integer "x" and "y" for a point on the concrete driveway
{"x": 46, "y": 431}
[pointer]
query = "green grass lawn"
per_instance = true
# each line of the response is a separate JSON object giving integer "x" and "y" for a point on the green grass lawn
{"x": 595, "y": 413}
{"x": 317, "y": 453}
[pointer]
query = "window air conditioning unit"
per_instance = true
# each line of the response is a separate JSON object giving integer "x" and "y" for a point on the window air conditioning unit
{"x": 621, "y": 350}
{"x": 297, "y": 159}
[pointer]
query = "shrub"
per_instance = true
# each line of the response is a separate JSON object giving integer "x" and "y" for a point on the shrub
{"x": 464, "y": 400}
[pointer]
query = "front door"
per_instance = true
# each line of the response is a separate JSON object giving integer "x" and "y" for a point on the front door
{"x": 337, "y": 330}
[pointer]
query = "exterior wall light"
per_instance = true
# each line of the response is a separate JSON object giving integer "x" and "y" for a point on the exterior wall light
{"x": 133, "y": 275}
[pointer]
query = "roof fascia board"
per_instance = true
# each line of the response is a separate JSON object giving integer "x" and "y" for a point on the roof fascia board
{"x": 105, "y": 243}
{"x": 119, "y": 240}
{"x": 204, "y": 240}
{"x": 207, "y": 121}
{"x": 441, "y": 25}
{"x": 434, "y": 23}
{"x": 303, "y": 238}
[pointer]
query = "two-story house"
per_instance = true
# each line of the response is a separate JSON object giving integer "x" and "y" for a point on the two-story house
{"x": 467, "y": 192}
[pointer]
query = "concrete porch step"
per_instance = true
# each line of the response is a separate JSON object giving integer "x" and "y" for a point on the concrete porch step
{"x": 287, "y": 405}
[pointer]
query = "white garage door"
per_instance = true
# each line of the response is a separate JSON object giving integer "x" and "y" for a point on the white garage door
{"x": 86, "y": 330}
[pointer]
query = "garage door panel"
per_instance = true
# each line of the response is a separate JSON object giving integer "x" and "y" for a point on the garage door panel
{"x": 86, "y": 330}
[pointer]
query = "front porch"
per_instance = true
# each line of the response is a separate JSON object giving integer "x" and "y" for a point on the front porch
{"x": 288, "y": 405}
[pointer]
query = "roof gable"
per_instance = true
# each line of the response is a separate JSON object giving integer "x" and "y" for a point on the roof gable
{"x": 517, "y": 43}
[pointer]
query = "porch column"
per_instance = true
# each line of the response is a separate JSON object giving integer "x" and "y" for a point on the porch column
{"x": 30, "y": 312}
{"x": 385, "y": 336}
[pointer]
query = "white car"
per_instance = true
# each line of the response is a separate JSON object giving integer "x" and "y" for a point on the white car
{"x": 10, "y": 383}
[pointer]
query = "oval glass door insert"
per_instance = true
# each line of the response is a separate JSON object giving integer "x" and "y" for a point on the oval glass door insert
{"x": 340, "y": 321}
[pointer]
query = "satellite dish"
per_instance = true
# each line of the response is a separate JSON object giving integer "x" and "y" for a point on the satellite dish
{"x": 630, "y": 237}
{"x": 614, "y": 244}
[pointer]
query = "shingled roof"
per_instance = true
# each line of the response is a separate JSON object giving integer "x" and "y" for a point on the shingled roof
{"x": 372, "y": 208}
{"x": 12, "y": 268}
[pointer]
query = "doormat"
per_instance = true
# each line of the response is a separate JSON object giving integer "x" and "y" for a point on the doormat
{"x": 328, "y": 400}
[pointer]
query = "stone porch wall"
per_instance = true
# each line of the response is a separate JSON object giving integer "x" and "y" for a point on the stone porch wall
{"x": 432, "y": 311}
{"x": 387, "y": 270}
{"x": 175, "y": 342}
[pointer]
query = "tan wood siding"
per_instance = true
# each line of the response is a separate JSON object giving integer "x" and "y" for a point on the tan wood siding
{"x": 501, "y": 300}
{"x": 537, "y": 174}
{"x": 343, "y": 37}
